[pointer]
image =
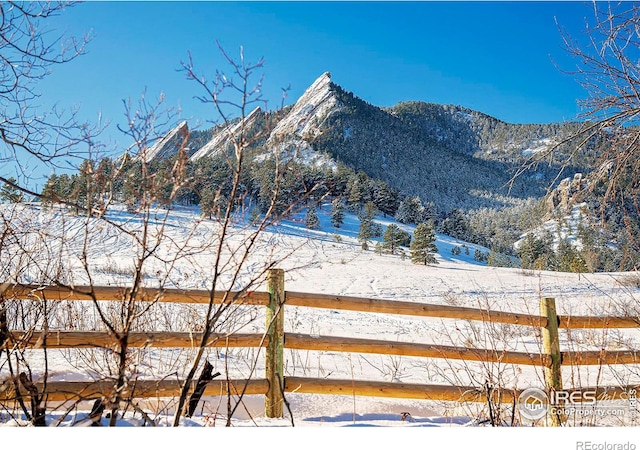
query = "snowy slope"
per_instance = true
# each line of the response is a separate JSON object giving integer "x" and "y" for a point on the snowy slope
{"x": 318, "y": 261}
{"x": 564, "y": 228}
{"x": 540, "y": 145}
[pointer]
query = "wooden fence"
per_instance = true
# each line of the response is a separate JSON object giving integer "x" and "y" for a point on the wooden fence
{"x": 276, "y": 340}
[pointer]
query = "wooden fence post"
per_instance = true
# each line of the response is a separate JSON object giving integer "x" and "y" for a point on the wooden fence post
{"x": 551, "y": 346}
{"x": 274, "y": 358}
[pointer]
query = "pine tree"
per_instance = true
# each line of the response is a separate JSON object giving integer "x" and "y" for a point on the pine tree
{"x": 358, "y": 189}
{"x": 385, "y": 198}
{"x": 479, "y": 256}
{"x": 312, "y": 221}
{"x": 578, "y": 265}
{"x": 497, "y": 259}
{"x": 207, "y": 202}
{"x": 403, "y": 214}
{"x": 429, "y": 212}
{"x": 394, "y": 237}
{"x": 390, "y": 239}
{"x": 49, "y": 191}
{"x": 369, "y": 210}
{"x": 410, "y": 211}
{"x": 565, "y": 254}
{"x": 254, "y": 216}
{"x": 337, "y": 213}
{"x": 456, "y": 225}
{"x": 9, "y": 193}
{"x": 366, "y": 232}
{"x": 529, "y": 251}
{"x": 423, "y": 245}
{"x": 84, "y": 186}
{"x": 64, "y": 186}
{"x": 536, "y": 253}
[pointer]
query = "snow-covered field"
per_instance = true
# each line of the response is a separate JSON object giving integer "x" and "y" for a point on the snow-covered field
{"x": 329, "y": 261}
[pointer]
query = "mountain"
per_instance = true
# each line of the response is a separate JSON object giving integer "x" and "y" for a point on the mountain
{"x": 305, "y": 120}
{"x": 222, "y": 139}
{"x": 418, "y": 161}
{"x": 449, "y": 155}
{"x": 168, "y": 145}
{"x": 480, "y": 135}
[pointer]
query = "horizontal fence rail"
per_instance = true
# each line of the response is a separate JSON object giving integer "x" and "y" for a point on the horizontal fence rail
{"x": 429, "y": 391}
{"x": 274, "y": 340}
{"x": 158, "y": 339}
{"x": 296, "y": 341}
{"x": 324, "y": 301}
{"x": 360, "y": 304}
{"x": 110, "y": 293}
{"x": 61, "y": 391}
{"x": 357, "y": 345}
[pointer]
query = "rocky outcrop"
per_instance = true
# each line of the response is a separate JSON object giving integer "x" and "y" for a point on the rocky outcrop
{"x": 168, "y": 145}
{"x": 307, "y": 114}
{"x": 224, "y": 137}
{"x": 567, "y": 193}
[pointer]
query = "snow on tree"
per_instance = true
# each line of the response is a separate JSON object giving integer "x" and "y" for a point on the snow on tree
{"x": 385, "y": 198}
{"x": 456, "y": 225}
{"x": 207, "y": 202}
{"x": 536, "y": 253}
{"x": 497, "y": 259}
{"x": 410, "y": 210}
{"x": 479, "y": 255}
{"x": 312, "y": 221}
{"x": 394, "y": 238}
{"x": 358, "y": 189}
{"x": 366, "y": 231}
{"x": 337, "y": 213}
{"x": 423, "y": 246}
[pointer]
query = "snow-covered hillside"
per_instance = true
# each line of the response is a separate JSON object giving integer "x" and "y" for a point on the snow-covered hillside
{"x": 538, "y": 146}
{"x": 563, "y": 228}
{"x": 331, "y": 261}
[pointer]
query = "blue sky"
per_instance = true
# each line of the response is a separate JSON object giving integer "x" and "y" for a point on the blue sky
{"x": 494, "y": 57}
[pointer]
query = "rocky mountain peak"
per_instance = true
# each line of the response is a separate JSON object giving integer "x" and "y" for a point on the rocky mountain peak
{"x": 220, "y": 139}
{"x": 167, "y": 145}
{"x": 309, "y": 111}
